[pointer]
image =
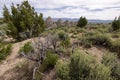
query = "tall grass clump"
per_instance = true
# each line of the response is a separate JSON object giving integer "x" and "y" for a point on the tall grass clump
{"x": 110, "y": 60}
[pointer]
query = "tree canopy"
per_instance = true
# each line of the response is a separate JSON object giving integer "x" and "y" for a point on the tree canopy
{"x": 82, "y": 22}
{"x": 116, "y": 23}
{"x": 23, "y": 22}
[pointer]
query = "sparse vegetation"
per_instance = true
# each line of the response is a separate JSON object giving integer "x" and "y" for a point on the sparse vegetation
{"x": 58, "y": 49}
{"x": 83, "y": 66}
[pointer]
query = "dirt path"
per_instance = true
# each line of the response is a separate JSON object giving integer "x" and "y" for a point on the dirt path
{"x": 12, "y": 59}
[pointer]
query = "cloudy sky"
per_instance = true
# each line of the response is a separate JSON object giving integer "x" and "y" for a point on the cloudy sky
{"x": 91, "y": 9}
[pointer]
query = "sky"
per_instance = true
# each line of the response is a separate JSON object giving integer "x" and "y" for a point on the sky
{"x": 91, "y": 9}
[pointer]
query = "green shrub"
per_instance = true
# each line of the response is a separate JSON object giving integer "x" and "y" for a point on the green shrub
{"x": 116, "y": 71}
{"x": 62, "y": 70}
{"x": 26, "y": 48}
{"x": 51, "y": 58}
{"x": 100, "y": 39}
{"x": 83, "y": 66}
{"x": 5, "y": 51}
{"x": 100, "y": 72}
{"x": 103, "y": 29}
{"x": 110, "y": 60}
{"x": 115, "y": 47}
{"x": 96, "y": 39}
{"x": 80, "y": 66}
{"x": 50, "y": 61}
{"x": 86, "y": 43}
{"x": 62, "y": 35}
{"x": 65, "y": 42}
{"x": 64, "y": 38}
{"x": 80, "y": 30}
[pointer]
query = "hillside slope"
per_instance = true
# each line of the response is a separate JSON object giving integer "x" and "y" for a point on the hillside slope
{"x": 7, "y": 66}
{"x": 12, "y": 59}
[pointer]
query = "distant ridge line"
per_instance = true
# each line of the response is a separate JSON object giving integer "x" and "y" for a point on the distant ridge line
{"x": 89, "y": 20}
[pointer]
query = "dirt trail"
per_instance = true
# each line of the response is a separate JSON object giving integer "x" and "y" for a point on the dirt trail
{"x": 12, "y": 59}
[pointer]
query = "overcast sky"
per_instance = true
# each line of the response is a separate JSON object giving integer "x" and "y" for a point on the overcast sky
{"x": 91, "y": 9}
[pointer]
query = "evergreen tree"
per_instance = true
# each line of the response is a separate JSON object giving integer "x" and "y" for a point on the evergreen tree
{"x": 116, "y": 23}
{"x": 12, "y": 30}
{"x": 6, "y": 14}
{"x": 23, "y": 20}
{"x": 40, "y": 25}
{"x": 82, "y": 22}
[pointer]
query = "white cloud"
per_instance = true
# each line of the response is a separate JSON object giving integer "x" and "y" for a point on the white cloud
{"x": 92, "y": 9}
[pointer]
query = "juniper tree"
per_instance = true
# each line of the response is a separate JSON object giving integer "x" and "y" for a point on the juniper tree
{"x": 82, "y": 22}
{"x": 24, "y": 19}
{"x": 116, "y": 23}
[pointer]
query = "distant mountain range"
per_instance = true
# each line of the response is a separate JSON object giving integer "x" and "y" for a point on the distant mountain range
{"x": 89, "y": 20}
{"x": 76, "y": 19}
